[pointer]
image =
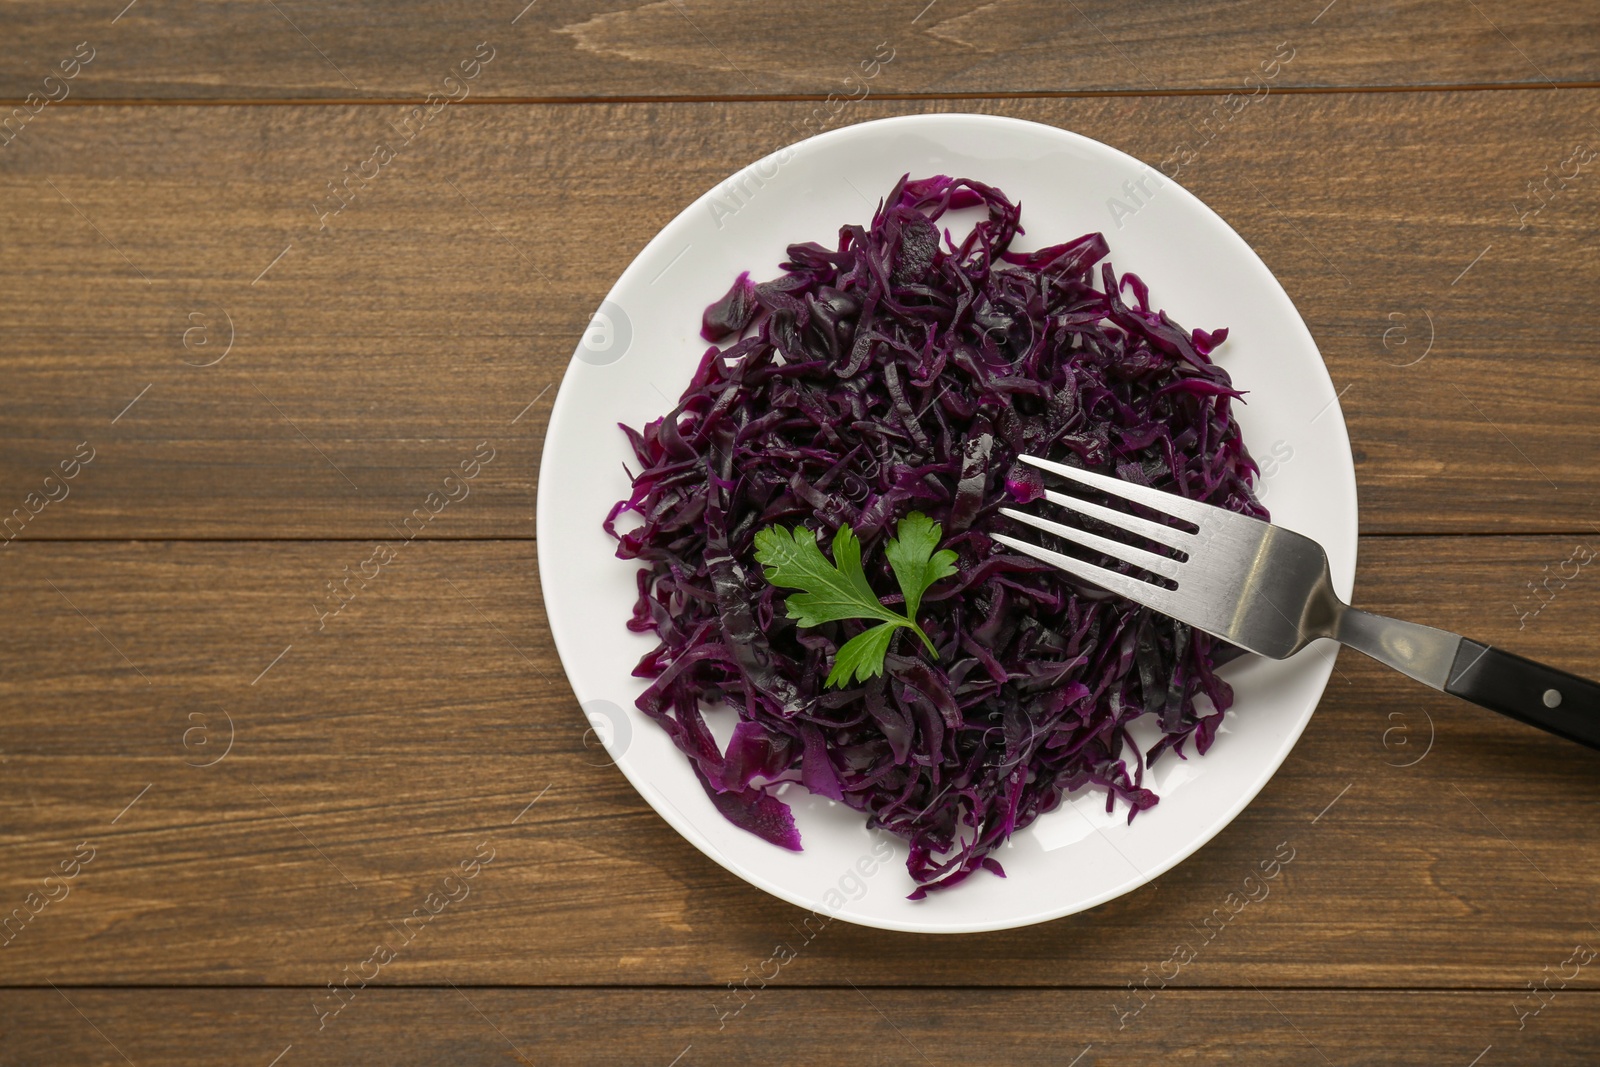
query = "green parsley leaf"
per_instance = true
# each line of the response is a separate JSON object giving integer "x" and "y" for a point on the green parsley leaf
{"x": 831, "y": 592}
{"x": 916, "y": 565}
{"x": 862, "y": 655}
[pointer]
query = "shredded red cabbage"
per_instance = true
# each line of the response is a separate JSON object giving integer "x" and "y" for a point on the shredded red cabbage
{"x": 892, "y": 374}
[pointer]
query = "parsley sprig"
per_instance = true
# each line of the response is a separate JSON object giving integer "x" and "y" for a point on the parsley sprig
{"x": 830, "y": 592}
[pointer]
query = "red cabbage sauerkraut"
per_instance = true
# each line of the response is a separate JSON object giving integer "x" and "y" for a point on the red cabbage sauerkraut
{"x": 903, "y": 370}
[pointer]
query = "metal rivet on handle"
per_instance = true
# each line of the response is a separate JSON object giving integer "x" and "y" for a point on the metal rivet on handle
{"x": 1552, "y": 698}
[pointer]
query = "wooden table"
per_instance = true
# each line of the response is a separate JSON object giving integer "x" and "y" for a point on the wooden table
{"x": 216, "y": 804}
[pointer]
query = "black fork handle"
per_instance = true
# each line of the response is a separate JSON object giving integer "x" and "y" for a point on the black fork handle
{"x": 1564, "y": 704}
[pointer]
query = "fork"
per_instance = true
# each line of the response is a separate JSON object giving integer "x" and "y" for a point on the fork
{"x": 1267, "y": 590}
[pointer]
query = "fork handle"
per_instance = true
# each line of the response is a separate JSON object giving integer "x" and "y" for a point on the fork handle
{"x": 1530, "y": 692}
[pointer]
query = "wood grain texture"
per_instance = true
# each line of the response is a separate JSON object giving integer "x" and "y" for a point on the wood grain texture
{"x": 300, "y": 50}
{"x": 369, "y": 360}
{"x": 1435, "y": 843}
{"x": 1262, "y": 1027}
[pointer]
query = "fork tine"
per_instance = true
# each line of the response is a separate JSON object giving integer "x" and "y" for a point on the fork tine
{"x": 1170, "y": 536}
{"x": 1165, "y": 566}
{"x": 1168, "y": 503}
{"x": 1166, "y": 601}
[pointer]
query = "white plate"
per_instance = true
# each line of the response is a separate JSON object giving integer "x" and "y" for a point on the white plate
{"x": 640, "y": 351}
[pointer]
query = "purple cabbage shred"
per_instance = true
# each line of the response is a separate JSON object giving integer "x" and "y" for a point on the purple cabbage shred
{"x": 732, "y": 313}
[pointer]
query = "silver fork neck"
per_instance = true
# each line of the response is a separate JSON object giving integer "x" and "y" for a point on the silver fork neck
{"x": 1420, "y": 652}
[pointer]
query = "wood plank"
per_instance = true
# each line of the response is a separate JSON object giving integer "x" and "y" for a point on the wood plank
{"x": 368, "y": 362}
{"x": 680, "y": 1028}
{"x": 580, "y": 48}
{"x": 371, "y": 758}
